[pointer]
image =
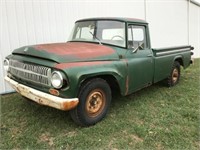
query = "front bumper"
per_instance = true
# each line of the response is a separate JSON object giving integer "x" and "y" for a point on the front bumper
{"x": 43, "y": 98}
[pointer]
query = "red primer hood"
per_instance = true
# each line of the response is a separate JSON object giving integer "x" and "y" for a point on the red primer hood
{"x": 70, "y": 52}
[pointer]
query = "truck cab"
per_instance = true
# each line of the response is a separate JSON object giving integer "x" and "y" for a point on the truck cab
{"x": 129, "y": 36}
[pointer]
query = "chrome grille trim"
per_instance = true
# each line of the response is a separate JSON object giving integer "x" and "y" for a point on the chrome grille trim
{"x": 30, "y": 72}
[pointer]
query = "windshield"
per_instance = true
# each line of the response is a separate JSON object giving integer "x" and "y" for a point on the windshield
{"x": 103, "y": 31}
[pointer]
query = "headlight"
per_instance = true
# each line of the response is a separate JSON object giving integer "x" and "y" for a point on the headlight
{"x": 57, "y": 79}
{"x": 6, "y": 64}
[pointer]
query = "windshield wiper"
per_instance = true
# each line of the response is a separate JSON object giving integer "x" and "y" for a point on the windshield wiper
{"x": 96, "y": 38}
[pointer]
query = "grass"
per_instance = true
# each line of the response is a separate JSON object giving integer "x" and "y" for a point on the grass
{"x": 156, "y": 117}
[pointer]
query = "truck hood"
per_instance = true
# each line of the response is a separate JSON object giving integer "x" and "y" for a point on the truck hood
{"x": 69, "y": 52}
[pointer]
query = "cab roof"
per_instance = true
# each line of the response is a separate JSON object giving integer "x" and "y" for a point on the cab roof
{"x": 129, "y": 20}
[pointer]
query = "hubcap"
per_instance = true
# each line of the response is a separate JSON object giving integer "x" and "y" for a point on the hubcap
{"x": 95, "y": 102}
{"x": 175, "y": 75}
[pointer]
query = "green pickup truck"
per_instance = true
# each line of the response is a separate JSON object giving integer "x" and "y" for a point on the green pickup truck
{"x": 102, "y": 55}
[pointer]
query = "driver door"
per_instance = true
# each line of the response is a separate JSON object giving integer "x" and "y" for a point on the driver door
{"x": 140, "y": 58}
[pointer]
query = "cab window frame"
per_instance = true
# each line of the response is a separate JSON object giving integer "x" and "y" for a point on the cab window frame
{"x": 143, "y": 27}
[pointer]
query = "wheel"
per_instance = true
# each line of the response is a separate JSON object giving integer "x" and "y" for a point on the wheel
{"x": 94, "y": 101}
{"x": 174, "y": 76}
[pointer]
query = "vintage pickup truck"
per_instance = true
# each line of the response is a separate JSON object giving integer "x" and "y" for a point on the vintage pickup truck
{"x": 101, "y": 55}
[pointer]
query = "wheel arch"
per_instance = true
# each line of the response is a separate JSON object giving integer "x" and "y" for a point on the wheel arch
{"x": 109, "y": 78}
{"x": 180, "y": 60}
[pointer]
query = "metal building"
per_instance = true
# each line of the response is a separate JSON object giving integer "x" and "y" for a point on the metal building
{"x": 29, "y": 22}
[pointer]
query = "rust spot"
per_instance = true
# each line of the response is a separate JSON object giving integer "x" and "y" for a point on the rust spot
{"x": 40, "y": 101}
{"x": 127, "y": 85}
{"x": 76, "y": 49}
{"x": 69, "y": 105}
{"x": 54, "y": 92}
{"x": 80, "y": 64}
{"x": 126, "y": 62}
{"x": 134, "y": 19}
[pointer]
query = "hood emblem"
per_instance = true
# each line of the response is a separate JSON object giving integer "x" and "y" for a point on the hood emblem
{"x": 26, "y": 49}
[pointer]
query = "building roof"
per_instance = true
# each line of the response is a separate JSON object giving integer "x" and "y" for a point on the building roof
{"x": 134, "y": 20}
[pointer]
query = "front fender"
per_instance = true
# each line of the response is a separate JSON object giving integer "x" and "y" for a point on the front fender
{"x": 77, "y": 72}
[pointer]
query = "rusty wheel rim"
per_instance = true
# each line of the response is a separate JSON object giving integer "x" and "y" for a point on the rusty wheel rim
{"x": 95, "y": 102}
{"x": 175, "y": 75}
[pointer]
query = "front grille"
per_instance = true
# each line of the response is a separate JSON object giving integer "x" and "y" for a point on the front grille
{"x": 30, "y": 72}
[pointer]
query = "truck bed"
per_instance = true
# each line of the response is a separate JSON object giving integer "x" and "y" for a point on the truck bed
{"x": 165, "y": 57}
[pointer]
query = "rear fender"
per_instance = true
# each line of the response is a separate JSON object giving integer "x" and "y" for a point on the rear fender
{"x": 179, "y": 58}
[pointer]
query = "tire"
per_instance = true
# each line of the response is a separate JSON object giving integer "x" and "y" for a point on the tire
{"x": 94, "y": 101}
{"x": 174, "y": 76}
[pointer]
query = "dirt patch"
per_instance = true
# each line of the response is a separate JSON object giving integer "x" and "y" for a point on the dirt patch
{"x": 136, "y": 138}
{"x": 45, "y": 137}
{"x": 70, "y": 134}
{"x": 159, "y": 146}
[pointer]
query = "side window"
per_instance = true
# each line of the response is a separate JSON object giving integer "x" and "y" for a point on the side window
{"x": 137, "y": 37}
{"x": 138, "y": 34}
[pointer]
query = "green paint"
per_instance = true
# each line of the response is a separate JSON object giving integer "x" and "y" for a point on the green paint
{"x": 131, "y": 70}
